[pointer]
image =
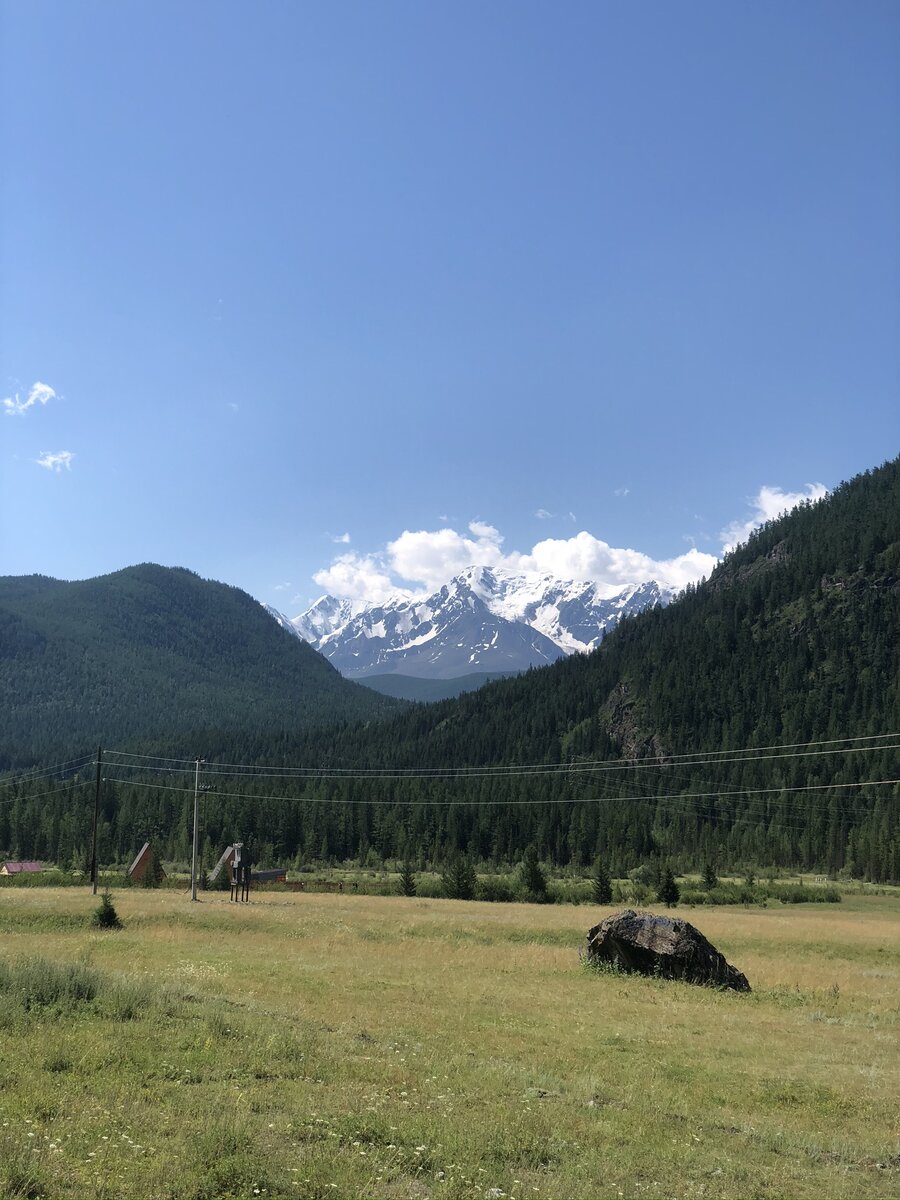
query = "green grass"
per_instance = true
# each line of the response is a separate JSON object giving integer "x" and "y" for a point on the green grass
{"x": 345, "y": 1045}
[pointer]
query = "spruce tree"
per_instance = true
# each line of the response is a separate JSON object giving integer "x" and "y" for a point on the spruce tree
{"x": 534, "y": 881}
{"x": 710, "y": 878}
{"x": 105, "y": 915}
{"x": 669, "y": 892}
{"x": 601, "y": 887}
{"x": 407, "y": 880}
{"x": 459, "y": 879}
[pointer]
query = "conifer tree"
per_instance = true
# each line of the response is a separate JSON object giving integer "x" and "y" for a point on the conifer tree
{"x": 459, "y": 879}
{"x": 601, "y": 887}
{"x": 710, "y": 878}
{"x": 669, "y": 892}
{"x": 534, "y": 881}
{"x": 407, "y": 880}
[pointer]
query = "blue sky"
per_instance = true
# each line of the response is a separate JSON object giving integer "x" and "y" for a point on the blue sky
{"x": 395, "y": 282}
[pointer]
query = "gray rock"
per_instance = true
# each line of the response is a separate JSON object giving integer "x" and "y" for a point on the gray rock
{"x": 655, "y": 945}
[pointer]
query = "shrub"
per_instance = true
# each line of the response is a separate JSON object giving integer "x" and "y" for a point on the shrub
{"x": 495, "y": 888}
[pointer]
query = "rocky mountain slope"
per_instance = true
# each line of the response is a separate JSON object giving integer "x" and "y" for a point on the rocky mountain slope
{"x": 483, "y": 620}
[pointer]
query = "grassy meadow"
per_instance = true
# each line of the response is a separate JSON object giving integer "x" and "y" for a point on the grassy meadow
{"x": 317, "y": 1045}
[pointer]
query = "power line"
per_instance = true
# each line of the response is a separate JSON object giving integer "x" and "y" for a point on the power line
{"x": 44, "y": 772}
{"x": 26, "y": 799}
{"x": 593, "y": 766}
{"x": 393, "y": 802}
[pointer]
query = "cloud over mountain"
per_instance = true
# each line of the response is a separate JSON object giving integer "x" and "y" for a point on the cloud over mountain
{"x": 420, "y": 560}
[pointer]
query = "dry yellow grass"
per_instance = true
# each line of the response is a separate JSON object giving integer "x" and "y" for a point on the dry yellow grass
{"x": 363, "y": 1046}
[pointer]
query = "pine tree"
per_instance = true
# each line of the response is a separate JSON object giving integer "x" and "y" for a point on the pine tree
{"x": 407, "y": 880}
{"x": 669, "y": 892}
{"x": 601, "y": 887}
{"x": 710, "y": 878}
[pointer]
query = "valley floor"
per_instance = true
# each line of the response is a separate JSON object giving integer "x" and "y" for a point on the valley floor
{"x": 357, "y": 1046}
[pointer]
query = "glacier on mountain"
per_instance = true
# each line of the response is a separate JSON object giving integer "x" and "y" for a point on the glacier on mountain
{"x": 488, "y": 618}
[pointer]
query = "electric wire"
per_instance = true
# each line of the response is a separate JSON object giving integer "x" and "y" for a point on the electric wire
{"x": 43, "y": 772}
{"x": 419, "y": 772}
{"x": 592, "y": 767}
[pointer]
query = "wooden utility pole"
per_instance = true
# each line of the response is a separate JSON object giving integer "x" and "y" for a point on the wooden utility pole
{"x": 96, "y": 816}
{"x": 196, "y": 828}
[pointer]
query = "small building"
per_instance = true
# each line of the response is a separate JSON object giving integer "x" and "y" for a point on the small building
{"x": 138, "y": 868}
{"x": 276, "y": 875}
{"x": 21, "y": 868}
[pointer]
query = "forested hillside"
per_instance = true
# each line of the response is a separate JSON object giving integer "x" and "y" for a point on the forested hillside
{"x": 150, "y": 652}
{"x": 634, "y": 751}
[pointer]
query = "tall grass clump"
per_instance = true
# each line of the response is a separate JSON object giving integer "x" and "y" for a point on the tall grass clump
{"x": 34, "y": 983}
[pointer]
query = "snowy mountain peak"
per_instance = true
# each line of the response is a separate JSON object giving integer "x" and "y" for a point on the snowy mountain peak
{"x": 483, "y": 619}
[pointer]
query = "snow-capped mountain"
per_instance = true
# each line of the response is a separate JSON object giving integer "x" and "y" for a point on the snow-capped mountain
{"x": 485, "y": 619}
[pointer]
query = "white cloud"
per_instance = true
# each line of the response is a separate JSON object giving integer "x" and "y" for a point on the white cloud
{"x": 426, "y": 559}
{"x": 342, "y": 539}
{"x": 423, "y": 560}
{"x": 587, "y": 557}
{"x": 622, "y": 491}
{"x": 357, "y": 577}
{"x": 543, "y": 515}
{"x": 281, "y": 587}
{"x": 40, "y": 393}
{"x": 769, "y": 503}
{"x": 432, "y": 557}
{"x": 55, "y": 460}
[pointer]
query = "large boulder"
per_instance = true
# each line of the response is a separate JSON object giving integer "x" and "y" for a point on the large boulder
{"x": 656, "y": 945}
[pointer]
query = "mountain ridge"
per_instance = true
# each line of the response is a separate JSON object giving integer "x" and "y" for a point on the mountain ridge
{"x": 484, "y": 619}
{"x": 100, "y": 659}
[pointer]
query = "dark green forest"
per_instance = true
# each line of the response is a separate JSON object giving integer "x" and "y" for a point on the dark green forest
{"x": 637, "y": 751}
{"x": 150, "y": 652}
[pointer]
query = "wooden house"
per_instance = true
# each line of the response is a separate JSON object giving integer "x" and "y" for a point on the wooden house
{"x": 138, "y": 868}
{"x": 21, "y": 868}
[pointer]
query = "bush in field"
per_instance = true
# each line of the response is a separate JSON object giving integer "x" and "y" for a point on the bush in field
{"x": 601, "y": 886}
{"x": 641, "y": 893}
{"x": 496, "y": 888}
{"x": 105, "y": 915}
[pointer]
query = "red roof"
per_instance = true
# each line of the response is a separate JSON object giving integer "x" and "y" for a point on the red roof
{"x": 16, "y": 868}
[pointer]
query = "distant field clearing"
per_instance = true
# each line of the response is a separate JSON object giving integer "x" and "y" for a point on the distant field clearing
{"x": 340, "y": 1045}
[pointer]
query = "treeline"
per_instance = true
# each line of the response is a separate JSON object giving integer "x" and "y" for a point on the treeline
{"x": 792, "y": 640}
